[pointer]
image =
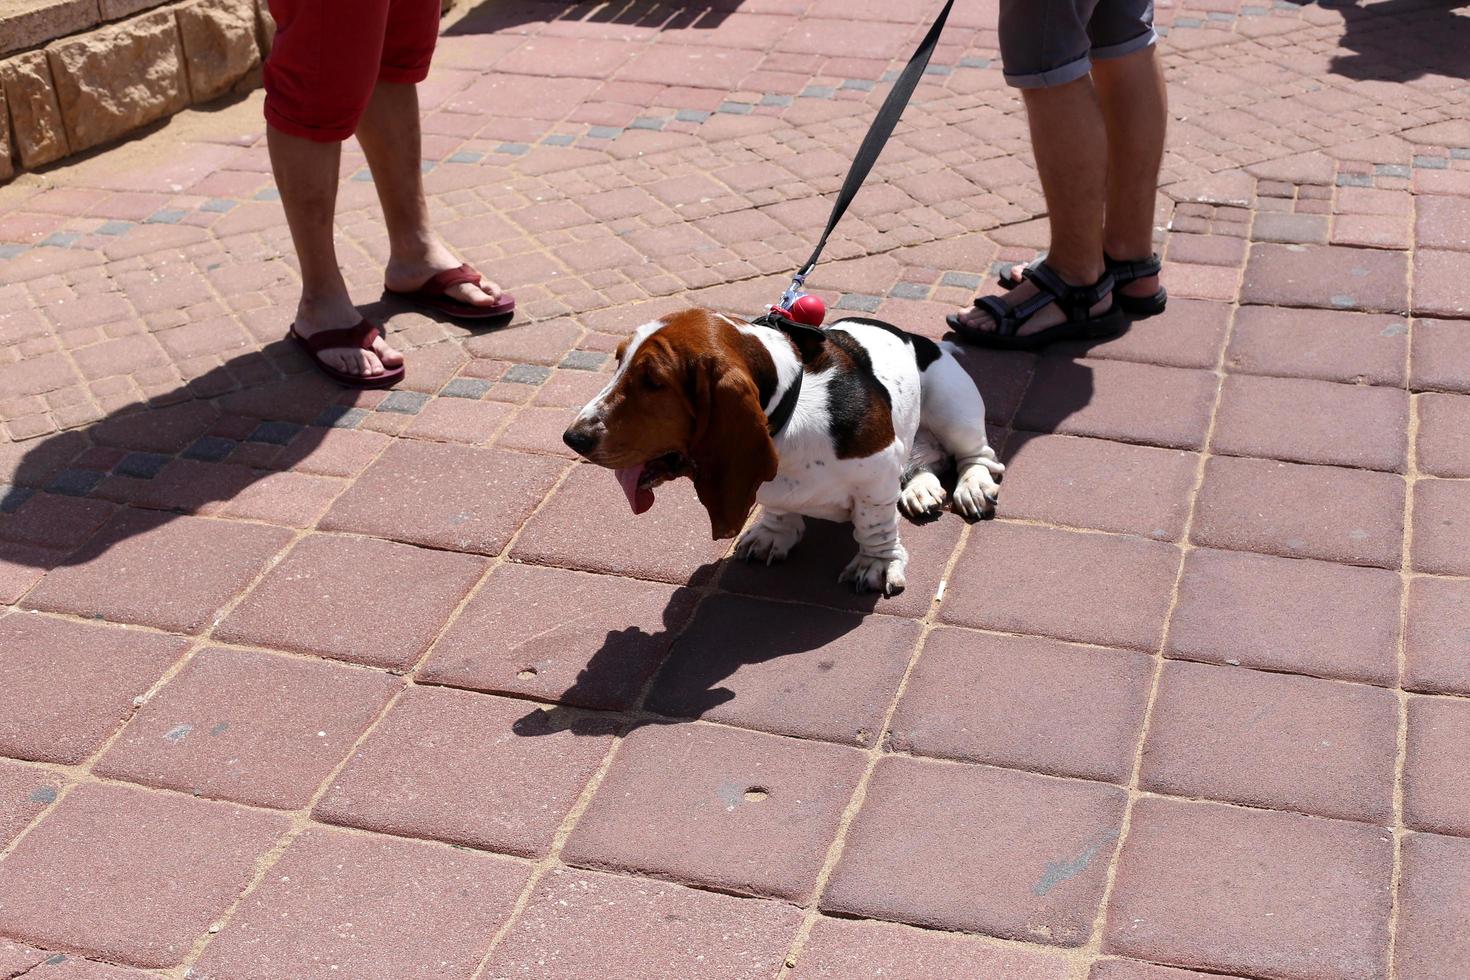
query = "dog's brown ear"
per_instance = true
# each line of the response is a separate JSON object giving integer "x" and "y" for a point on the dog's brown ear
{"x": 732, "y": 449}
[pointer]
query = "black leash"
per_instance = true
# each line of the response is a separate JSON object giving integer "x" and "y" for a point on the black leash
{"x": 873, "y": 143}
{"x": 809, "y": 336}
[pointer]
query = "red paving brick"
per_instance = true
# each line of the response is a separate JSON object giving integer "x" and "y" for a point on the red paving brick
{"x": 1440, "y": 444}
{"x": 140, "y": 874}
{"x": 25, "y": 793}
{"x": 466, "y": 768}
{"x": 1437, "y": 623}
{"x": 1438, "y": 753}
{"x": 1301, "y": 511}
{"x": 1025, "y": 703}
{"x": 581, "y": 924}
{"x": 1441, "y": 348}
{"x": 249, "y": 727}
{"x": 332, "y": 452}
{"x": 1333, "y": 424}
{"x": 974, "y": 849}
{"x": 357, "y": 599}
{"x": 152, "y": 569}
{"x": 441, "y": 496}
{"x": 516, "y": 637}
{"x": 459, "y": 420}
{"x": 1102, "y": 398}
{"x": 742, "y": 660}
{"x": 162, "y": 430}
{"x": 1091, "y": 588}
{"x": 1442, "y": 527}
{"x": 342, "y": 905}
{"x": 1295, "y": 615}
{"x": 1434, "y": 908}
{"x": 1327, "y": 277}
{"x": 1439, "y": 284}
{"x": 841, "y": 949}
{"x": 537, "y": 430}
{"x": 1253, "y": 892}
{"x": 1273, "y": 740}
{"x": 1089, "y": 483}
{"x": 1442, "y": 222}
{"x": 51, "y": 521}
{"x": 70, "y": 685}
{"x": 737, "y": 811}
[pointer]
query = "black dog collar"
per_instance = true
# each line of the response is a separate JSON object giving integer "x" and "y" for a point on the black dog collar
{"x": 786, "y": 407}
{"x": 807, "y": 339}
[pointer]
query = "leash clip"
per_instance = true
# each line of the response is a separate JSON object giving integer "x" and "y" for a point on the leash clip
{"x": 793, "y": 292}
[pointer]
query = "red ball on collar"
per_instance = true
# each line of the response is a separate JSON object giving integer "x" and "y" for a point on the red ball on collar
{"x": 809, "y": 310}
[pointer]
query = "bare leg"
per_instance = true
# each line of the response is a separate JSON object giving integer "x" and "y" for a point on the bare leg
{"x": 391, "y": 138}
{"x": 1070, "y": 143}
{"x": 306, "y": 175}
{"x": 1131, "y": 92}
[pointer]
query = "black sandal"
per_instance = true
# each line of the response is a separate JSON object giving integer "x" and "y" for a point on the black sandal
{"x": 1075, "y": 301}
{"x": 1124, "y": 272}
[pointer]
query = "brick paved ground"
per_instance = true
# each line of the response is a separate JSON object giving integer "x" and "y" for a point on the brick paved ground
{"x": 305, "y": 684}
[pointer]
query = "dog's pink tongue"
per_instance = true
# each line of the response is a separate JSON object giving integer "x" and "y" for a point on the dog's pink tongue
{"x": 639, "y": 498}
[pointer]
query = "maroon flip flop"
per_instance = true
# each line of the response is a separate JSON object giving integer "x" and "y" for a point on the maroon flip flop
{"x": 434, "y": 294}
{"x": 363, "y": 335}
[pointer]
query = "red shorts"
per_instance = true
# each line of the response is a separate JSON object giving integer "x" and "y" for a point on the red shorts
{"x": 328, "y": 55}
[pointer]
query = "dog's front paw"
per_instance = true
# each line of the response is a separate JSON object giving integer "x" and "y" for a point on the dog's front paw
{"x": 922, "y": 497}
{"x": 768, "y": 544}
{"x": 976, "y": 493}
{"x": 869, "y": 573}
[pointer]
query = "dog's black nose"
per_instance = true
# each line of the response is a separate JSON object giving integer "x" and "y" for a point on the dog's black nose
{"x": 580, "y": 438}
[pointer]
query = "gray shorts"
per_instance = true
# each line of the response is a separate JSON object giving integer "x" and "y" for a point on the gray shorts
{"x": 1052, "y": 42}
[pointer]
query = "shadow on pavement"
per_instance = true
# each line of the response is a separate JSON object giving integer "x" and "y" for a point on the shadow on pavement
{"x": 728, "y": 632}
{"x": 1402, "y": 40}
{"x": 501, "y": 16}
{"x": 194, "y": 450}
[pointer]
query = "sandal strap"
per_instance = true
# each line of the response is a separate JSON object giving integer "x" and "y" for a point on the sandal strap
{"x": 1127, "y": 270}
{"x": 1006, "y": 321}
{"x": 364, "y": 335}
{"x": 1076, "y": 301}
{"x": 441, "y": 282}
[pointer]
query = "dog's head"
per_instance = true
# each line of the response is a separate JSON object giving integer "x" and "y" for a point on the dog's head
{"x": 686, "y": 400}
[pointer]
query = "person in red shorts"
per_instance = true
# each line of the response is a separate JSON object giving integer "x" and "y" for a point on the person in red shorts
{"x": 339, "y": 68}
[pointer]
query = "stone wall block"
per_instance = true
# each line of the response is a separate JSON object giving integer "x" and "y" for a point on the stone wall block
{"x": 265, "y": 25}
{"x": 37, "y": 21}
{"x": 114, "y": 80}
{"x": 39, "y": 135}
{"x": 118, "y": 9}
{"x": 219, "y": 44}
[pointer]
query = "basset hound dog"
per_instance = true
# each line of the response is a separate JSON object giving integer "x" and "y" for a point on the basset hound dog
{"x": 853, "y": 422}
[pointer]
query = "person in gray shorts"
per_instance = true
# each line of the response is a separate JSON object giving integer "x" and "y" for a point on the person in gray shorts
{"x": 1094, "y": 93}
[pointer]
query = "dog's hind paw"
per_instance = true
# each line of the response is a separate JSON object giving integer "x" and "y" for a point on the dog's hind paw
{"x": 922, "y": 497}
{"x": 976, "y": 493}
